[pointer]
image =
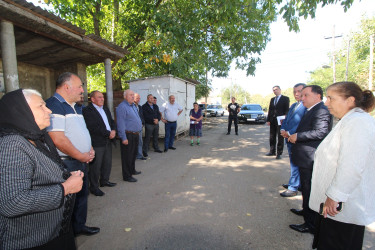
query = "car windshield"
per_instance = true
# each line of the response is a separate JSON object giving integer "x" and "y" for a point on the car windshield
{"x": 213, "y": 106}
{"x": 251, "y": 107}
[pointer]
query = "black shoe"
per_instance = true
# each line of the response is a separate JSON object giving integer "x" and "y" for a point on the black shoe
{"x": 142, "y": 158}
{"x": 108, "y": 184}
{"x": 145, "y": 154}
{"x": 298, "y": 212}
{"x": 158, "y": 151}
{"x": 302, "y": 228}
{"x": 97, "y": 192}
{"x": 173, "y": 148}
{"x": 285, "y": 186}
{"x": 270, "y": 154}
{"x": 130, "y": 179}
{"x": 137, "y": 172}
{"x": 165, "y": 150}
{"x": 228, "y": 133}
{"x": 289, "y": 193}
{"x": 278, "y": 157}
{"x": 236, "y": 133}
{"x": 88, "y": 231}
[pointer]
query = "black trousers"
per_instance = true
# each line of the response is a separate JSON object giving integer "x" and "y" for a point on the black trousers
{"x": 129, "y": 155}
{"x": 79, "y": 215}
{"x": 100, "y": 167}
{"x": 235, "y": 119}
{"x": 332, "y": 235}
{"x": 308, "y": 214}
{"x": 275, "y": 132}
{"x": 61, "y": 242}
{"x": 151, "y": 130}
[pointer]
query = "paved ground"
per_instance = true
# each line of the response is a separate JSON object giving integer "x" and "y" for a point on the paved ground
{"x": 223, "y": 194}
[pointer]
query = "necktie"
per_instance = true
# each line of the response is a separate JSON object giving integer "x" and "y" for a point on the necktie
{"x": 276, "y": 99}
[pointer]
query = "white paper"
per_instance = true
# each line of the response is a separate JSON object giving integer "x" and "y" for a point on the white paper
{"x": 280, "y": 119}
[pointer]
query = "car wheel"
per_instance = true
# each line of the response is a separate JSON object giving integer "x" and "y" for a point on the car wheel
{"x": 222, "y": 114}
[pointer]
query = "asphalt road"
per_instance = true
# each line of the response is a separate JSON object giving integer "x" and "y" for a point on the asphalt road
{"x": 223, "y": 194}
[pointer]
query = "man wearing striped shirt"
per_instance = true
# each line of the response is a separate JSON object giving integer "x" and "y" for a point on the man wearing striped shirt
{"x": 72, "y": 139}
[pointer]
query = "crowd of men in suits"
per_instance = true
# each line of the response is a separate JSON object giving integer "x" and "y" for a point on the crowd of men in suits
{"x": 304, "y": 126}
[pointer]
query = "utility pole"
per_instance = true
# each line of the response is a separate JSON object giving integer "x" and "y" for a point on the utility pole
{"x": 371, "y": 69}
{"x": 333, "y": 52}
{"x": 347, "y": 62}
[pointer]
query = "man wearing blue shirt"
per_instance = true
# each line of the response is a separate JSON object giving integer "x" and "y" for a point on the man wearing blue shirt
{"x": 128, "y": 125}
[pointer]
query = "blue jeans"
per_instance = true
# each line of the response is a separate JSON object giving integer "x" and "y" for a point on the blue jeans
{"x": 170, "y": 133}
{"x": 294, "y": 181}
{"x": 140, "y": 144}
{"x": 80, "y": 206}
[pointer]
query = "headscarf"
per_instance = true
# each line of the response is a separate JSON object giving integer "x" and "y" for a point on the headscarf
{"x": 16, "y": 118}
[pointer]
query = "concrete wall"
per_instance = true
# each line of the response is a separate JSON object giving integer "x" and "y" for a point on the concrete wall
{"x": 44, "y": 79}
{"x": 35, "y": 77}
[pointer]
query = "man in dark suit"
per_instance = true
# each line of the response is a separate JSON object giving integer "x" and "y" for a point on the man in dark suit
{"x": 152, "y": 117}
{"x": 312, "y": 129}
{"x": 102, "y": 129}
{"x": 279, "y": 106}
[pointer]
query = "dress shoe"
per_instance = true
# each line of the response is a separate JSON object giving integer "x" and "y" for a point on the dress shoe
{"x": 236, "y": 133}
{"x": 158, "y": 151}
{"x": 142, "y": 158}
{"x": 165, "y": 150}
{"x": 88, "y": 231}
{"x": 130, "y": 179}
{"x": 270, "y": 154}
{"x": 228, "y": 133}
{"x": 97, "y": 192}
{"x": 302, "y": 228}
{"x": 285, "y": 186}
{"x": 108, "y": 184}
{"x": 145, "y": 154}
{"x": 297, "y": 211}
{"x": 137, "y": 172}
{"x": 278, "y": 157}
{"x": 289, "y": 193}
{"x": 173, "y": 148}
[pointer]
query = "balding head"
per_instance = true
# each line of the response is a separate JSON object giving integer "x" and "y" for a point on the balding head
{"x": 137, "y": 98}
{"x": 129, "y": 96}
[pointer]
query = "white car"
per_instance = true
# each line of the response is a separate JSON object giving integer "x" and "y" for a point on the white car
{"x": 215, "y": 110}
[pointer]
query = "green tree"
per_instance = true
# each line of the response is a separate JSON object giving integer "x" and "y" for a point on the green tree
{"x": 183, "y": 38}
{"x": 235, "y": 90}
{"x": 359, "y": 58}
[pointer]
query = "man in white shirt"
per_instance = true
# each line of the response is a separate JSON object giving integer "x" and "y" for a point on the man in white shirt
{"x": 170, "y": 112}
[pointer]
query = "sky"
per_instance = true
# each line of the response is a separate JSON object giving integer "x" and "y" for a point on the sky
{"x": 289, "y": 56}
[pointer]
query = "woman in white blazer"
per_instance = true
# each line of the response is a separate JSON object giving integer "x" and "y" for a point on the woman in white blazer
{"x": 344, "y": 170}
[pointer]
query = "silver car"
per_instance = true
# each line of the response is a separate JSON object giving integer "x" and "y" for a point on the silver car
{"x": 215, "y": 110}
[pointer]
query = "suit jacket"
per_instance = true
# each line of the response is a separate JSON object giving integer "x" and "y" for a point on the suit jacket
{"x": 150, "y": 114}
{"x": 96, "y": 126}
{"x": 140, "y": 112}
{"x": 293, "y": 118}
{"x": 281, "y": 108}
{"x": 312, "y": 129}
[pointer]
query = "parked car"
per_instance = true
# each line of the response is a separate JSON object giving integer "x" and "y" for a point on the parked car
{"x": 203, "y": 106}
{"x": 252, "y": 113}
{"x": 215, "y": 110}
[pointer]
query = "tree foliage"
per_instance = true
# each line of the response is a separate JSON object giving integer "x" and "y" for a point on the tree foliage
{"x": 359, "y": 58}
{"x": 183, "y": 38}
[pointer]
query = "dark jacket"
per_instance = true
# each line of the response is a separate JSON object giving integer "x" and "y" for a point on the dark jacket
{"x": 140, "y": 112}
{"x": 96, "y": 126}
{"x": 281, "y": 108}
{"x": 150, "y": 114}
{"x": 312, "y": 129}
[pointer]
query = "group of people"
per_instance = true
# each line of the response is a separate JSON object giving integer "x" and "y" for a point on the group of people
{"x": 54, "y": 152}
{"x": 332, "y": 167}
